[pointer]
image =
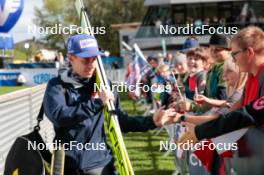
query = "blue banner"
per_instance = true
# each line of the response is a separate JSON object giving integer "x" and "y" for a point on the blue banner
{"x": 30, "y": 77}
{"x": 8, "y": 79}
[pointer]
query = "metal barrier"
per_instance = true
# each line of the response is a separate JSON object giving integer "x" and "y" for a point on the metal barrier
{"x": 18, "y": 112}
{"x": 116, "y": 75}
{"x": 252, "y": 164}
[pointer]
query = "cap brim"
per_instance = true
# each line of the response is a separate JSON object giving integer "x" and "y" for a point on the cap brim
{"x": 221, "y": 46}
{"x": 188, "y": 49}
{"x": 184, "y": 50}
{"x": 89, "y": 54}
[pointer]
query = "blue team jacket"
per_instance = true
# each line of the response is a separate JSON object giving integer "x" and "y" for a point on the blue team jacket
{"x": 78, "y": 119}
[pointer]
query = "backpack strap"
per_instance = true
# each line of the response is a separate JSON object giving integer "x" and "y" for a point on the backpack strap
{"x": 39, "y": 118}
{"x": 41, "y": 111}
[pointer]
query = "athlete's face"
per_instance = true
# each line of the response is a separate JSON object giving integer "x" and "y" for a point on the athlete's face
{"x": 84, "y": 67}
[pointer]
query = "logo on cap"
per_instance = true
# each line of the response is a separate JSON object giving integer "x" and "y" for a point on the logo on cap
{"x": 86, "y": 43}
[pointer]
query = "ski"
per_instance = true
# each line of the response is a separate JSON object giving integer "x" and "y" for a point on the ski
{"x": 57, "y": 162}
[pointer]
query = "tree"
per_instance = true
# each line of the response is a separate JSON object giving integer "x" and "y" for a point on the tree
{"x": 102, "y": 13}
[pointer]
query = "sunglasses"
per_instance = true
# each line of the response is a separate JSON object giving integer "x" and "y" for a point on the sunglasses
{"x": 234, "y": 54}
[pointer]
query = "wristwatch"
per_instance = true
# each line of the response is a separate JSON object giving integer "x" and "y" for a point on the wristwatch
{"x": 182, "y": 118}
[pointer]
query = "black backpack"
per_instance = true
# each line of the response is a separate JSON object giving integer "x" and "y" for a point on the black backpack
{"x": 24, "y": 159}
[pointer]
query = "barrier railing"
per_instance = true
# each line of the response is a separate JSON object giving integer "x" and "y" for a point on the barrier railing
{"x": 250, "y": 164}
{"x": 18, "y": 112}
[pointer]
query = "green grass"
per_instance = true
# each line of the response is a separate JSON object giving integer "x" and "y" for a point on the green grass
{"x": 20, "y": 56}
{"x": 143, "y": 148}
{"x": 8, "y": 89}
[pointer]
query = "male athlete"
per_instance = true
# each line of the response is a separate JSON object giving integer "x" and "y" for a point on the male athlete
{"x": 75, "y": 108}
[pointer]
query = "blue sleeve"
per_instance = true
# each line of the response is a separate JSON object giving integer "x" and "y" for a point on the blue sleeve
{"x": 132, "y": 123}
{"x": 63, "y": 115}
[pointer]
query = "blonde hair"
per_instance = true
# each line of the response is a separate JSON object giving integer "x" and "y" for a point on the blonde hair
{"x": 240, "y": 84}
{"x": 250, "y": 37}
{"x": 163, "y": 67}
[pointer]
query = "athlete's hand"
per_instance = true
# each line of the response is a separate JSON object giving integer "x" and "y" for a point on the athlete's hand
{"x": 106, "y": 95}
{"x": 176, "y": 118}
{"x": 162, "y": 116}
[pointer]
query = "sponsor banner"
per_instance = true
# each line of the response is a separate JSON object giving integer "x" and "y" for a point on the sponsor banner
{"x": 8, "y": 78}
{"x": 195, "y": 165}
{"x": 31, "y": 77}
{"x": 9, "y": 14}
{"x": 38, "y": 76}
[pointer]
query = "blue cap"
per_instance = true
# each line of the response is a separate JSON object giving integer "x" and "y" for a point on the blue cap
{"x": 190, "y": 43}
{"x": 83, "y": 46}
